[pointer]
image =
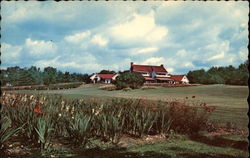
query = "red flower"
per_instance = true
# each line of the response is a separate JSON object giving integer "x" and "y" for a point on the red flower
{"x": 38, "y": 110}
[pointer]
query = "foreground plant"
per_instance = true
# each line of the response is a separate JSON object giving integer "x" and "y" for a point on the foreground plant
{"x": 7, "y": 131}
{"x": 79, "y": 129}
{"x": 43, "y": 129}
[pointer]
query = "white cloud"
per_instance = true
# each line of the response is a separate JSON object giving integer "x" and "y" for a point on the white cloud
{"x": 182, "y": 35}
{"x": 77, "y": 37}
{"x": 154, "y": 61}
{"x": 148, "y": 50}
{"x": 99, "y": 40}
{"x": 218, "y": 56}
{"x": 182, "y": 53}
{"x": 139, "y": 27}
{"x": 84, "y": 63}
{"x": 170, "y": 70}
{"x": 40, "y": 49}
{"x": 243, "y": 54}
{"x": 188, "y": 65}
{"x": 10, "y": 54}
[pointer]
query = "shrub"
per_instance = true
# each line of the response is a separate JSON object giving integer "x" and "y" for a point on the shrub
{"x": 6, "y": 131}
{"x": 129, "y": 79}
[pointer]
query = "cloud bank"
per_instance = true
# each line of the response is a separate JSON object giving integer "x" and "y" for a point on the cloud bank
{"x": 88, "y": 37}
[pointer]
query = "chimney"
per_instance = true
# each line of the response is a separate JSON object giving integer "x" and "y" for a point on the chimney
{"x": 161, "y": 65}
{"x": 131, "y": 67}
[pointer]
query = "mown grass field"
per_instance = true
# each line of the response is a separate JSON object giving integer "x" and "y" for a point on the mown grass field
{"x": 230, "y": 101}
{"x": 231, "y": 110}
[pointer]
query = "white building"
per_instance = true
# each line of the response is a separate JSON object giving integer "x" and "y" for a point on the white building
{"x": 104, "y": 78}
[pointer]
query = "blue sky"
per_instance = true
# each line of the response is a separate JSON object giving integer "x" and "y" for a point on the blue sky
{"x": 87, "y": 37}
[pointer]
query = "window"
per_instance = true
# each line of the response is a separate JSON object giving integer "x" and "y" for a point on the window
{"x": 161, "y": 74}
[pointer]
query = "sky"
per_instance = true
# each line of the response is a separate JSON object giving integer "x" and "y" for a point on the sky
{"x": 86, "y": 37}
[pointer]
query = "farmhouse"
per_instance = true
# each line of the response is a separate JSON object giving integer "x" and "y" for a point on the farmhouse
{"x": 180, "y": 79}
{"x": 158, "y": 74}
{"x": 103, "y": 78}
{"x": 152, "y": 74}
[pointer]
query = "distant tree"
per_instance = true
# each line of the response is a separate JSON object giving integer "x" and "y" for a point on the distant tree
{"x": 4, "y": 77}
{"x": 129, "y": 79}
{"x": 221, "y": 75}
{"x": 35, "y": 75}
{"x": 50, "y": 75}
{"x": 243, "y": 73}
{"x": 86, "y": 78}
{"x": 66, "y": 76}
{"x": 13, "y": 75}
{"x": 60, "y": 77}
{"x": 197, "y": 76}
{"x": 107, "y": 72}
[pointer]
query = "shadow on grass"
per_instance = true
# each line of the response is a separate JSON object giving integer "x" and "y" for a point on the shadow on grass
{"x": 117, "y": 153}
{"x": 220, "y": 142}
{"x": 201, "y": 155}
{"x": 187, "y": 154}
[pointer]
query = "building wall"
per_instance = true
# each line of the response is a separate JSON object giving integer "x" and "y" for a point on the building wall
{"x": 94, "y": 78}
{"x": 185, "y": 79}
{"x": 162, "y": 75}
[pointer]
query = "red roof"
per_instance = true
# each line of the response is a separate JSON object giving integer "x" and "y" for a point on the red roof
{"x": 148, "y": 68}
{"x": 177, "y": 77}
{"x": 106, "y": 76}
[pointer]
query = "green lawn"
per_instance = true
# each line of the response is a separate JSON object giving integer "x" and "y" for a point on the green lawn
{"x": 230, "y": 101}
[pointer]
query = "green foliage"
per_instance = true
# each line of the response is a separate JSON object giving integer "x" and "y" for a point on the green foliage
{"x": 107, "y": 72}
{"x": 7, "y": 130}
{"x": 16, "y": 76}
{"x": 43, "y": 129}
{"x": 129, "y": 79}
{"x": 79, "y": 129}
{"x": 44, "y": 117}
{"x": 221, "y": 75}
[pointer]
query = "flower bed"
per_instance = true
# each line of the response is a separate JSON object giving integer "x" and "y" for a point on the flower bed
{"x": 43, "y": 117}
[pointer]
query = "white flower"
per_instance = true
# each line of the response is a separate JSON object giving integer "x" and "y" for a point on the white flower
{"x": 59, "y": 114}
{"x": 67, "y": 108}
{"x": 63, "y": 102}
{"x": 72, "y": 110}
{"x": 31, "y": 97}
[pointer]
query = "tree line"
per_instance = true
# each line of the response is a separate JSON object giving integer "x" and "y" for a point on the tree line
{"x": 16, "y": 76}
{"x": 221, "y": 75}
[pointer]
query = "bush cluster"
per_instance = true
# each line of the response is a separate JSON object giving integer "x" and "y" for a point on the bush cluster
{"x": 45, "y": 87}
{"x": 43, "y": 117}
{"x": 129, "y": 80}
